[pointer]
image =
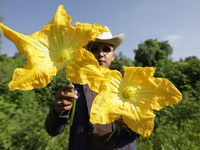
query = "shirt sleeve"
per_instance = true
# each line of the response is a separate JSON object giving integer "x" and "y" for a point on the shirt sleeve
{"x": 55, "y": 124}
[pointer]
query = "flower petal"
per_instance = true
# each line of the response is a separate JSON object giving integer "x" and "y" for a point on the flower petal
{"x": 105, "y": 107}
{"x": 166, "y": 95}
{"x": 37, "y": 77}
{"x": 136, "y": 76}
{"x": 86, "y": 70}
{"x": 139, "y": 120}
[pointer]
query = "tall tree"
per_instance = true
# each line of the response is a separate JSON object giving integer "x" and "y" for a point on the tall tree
{"x": 151, "y": 51}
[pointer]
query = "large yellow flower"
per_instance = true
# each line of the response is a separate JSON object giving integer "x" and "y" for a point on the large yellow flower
{"x": 56, "y": 46}
{"x": 133, "y": 97}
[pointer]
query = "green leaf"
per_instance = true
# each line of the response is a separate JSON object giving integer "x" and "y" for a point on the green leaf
{"x": 2, "y": 115}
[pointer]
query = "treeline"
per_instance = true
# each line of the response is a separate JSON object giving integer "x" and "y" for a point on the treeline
{"x": 22, "y": 113}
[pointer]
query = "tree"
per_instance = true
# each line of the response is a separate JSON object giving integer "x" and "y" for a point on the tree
{"x": 190, "y": 58}
{"x": 120, "y": 61}
{"x": 151, "y": 51}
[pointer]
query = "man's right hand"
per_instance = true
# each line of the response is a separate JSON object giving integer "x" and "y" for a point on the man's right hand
{"x": 65, "y": 96}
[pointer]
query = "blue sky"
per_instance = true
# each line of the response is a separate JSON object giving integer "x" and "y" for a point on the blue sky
{"x": 177, "y": 21}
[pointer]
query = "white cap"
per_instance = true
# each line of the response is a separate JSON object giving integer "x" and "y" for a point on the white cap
{"x": 107, "y": 37}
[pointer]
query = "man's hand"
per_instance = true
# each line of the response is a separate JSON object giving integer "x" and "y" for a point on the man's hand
{"x": 66, "y": 98}
{"x": 120, "y": 123}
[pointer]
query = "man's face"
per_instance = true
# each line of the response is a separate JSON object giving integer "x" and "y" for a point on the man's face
{"x": 103, "y": 52}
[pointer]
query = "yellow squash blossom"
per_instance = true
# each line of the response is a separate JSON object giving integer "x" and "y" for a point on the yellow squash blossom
{"x": 133, "y": 97}
{"x": 56, "y": 46}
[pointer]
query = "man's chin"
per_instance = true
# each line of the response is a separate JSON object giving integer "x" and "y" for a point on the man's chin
{"x": 101, "y": 63}
{"x": 103, "y": 66}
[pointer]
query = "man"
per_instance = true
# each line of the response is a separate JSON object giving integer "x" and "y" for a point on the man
{"x": 84, "y": 135}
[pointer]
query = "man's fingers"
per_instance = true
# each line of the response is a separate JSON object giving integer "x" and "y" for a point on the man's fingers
{"x": 61, "y": 109}
{"x": 65, "y": 93}
{"x": 66, "y": 87}
{"x": 67, "y": 102}
{"x": 64, "y": 99}
{"x": 69, "y": 95}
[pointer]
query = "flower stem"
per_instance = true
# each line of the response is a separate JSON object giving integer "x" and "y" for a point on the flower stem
{"x": 73, "y": 108}
{"x": 112, "y": 133}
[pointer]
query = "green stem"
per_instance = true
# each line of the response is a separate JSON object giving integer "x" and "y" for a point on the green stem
{"x": 111, "y": 134}
{"x": 73, "y": 108}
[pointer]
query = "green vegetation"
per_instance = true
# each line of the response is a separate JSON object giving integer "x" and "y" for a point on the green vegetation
{"x": 22, "y": 113}
{"x": 177, "y": 127}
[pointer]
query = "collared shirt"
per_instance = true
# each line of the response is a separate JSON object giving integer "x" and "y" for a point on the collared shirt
{"x": 81, "y": 131}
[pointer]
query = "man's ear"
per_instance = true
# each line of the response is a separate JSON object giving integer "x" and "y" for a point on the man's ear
{"x": 113, "y": 56}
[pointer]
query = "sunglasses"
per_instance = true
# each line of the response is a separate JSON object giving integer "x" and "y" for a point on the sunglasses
{"x": 96, "y": 48}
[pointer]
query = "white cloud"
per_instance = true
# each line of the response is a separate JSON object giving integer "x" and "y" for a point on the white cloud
{"x": 172, "y": 37}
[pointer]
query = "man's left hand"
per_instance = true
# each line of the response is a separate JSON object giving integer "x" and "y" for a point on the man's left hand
{"x": 120, "y": 123}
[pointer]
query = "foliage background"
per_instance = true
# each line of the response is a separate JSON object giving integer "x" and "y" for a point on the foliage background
{"x": 22, "y": 113}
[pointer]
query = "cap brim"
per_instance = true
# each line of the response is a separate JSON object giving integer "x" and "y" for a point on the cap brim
{"x": 115, "y": 41}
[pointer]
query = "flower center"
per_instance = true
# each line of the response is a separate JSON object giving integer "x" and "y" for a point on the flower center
{"x": 126, "y": 93}
{"x": 61, "y": 59}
